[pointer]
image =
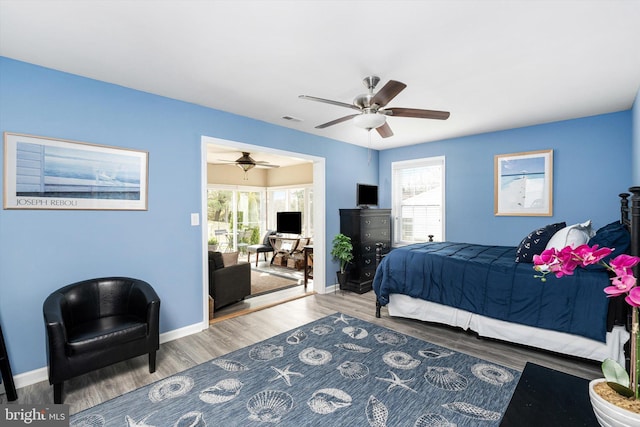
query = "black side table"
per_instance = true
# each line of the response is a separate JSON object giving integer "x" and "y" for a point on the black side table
{"x": 549, "y": 398}
{"x": 5, "y": 370}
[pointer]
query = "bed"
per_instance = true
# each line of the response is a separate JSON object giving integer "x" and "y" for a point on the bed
{"x": 483, "y": 289}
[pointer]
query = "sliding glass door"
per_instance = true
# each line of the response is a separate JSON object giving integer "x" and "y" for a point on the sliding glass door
{"x": 239, "y": 216}
{"x": 235, "y": 217}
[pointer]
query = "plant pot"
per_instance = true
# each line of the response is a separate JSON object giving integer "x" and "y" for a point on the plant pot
{"x": 213, "y": 248}
{"x": 342, "y": 279}
{"x": 608, "y": 414}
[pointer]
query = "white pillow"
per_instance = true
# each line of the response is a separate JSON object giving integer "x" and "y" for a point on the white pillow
{"x": 572, "y": 235}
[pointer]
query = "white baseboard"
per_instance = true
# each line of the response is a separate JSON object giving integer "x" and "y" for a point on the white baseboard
{"x": 331, "y": 288}
{"x": 41, "y": 374}
{"x": 31, "y": 377}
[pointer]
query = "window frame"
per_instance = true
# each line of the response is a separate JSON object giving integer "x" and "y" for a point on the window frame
{"x": 307, "y": 211}
{"x": 396, "y": 196}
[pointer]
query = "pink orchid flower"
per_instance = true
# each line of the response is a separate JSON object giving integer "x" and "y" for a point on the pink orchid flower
{"x": 620, "y": 285}
{"x": 622, "y": 264}
{"x": 591, "y": 255}
{"x": 565, "y": 261}
{"x": 547, "y": 257}
{"x": 633, "y": 299}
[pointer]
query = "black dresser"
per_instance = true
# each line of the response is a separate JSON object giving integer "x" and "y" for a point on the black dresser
{"x": 365, "y": 227}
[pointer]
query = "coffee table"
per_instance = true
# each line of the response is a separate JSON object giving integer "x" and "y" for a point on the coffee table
{"x": 546, "y": 397}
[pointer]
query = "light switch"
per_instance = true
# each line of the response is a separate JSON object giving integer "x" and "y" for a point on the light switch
{"x": 195, "y": 219}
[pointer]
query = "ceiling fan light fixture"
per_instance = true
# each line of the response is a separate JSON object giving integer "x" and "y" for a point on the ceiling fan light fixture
{"x": 369, "y": 120}
{"x": 245, "y": 166}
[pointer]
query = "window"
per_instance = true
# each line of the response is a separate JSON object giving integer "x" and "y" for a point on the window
{"x": 235, "y": 217}
{"x": 417, "y": 191}
{"x": 239, "y": 216}
{"x": 291, "y": 199}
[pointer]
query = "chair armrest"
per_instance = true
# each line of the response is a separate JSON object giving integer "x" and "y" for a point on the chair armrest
{"x": 238, "y": 274}
{"x": 145, "y": 302}
{"x": 55, "y": 323}
{"x": 232, "y": 272}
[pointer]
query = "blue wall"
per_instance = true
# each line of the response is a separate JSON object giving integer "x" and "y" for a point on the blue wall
{"x": 591, "y": 161}
{"x": 41, "y": 251}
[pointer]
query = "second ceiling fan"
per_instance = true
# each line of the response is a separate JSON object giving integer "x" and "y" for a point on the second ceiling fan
{"x": 372, "y": 113}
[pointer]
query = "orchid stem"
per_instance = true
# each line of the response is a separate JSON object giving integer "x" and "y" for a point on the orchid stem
{"x": 635, "y": 351}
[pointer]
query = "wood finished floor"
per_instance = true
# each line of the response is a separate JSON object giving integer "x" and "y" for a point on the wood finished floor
{"x": 228, "y": 335}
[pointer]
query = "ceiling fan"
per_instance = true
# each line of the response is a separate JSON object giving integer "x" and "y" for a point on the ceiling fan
{"x": 246, "y": 162}
{"x": 372, "y": 114}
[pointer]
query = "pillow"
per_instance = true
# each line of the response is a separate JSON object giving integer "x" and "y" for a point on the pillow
{"x": 215, "y": 258}
{"x": 573, "y": 235}
{"x": 613, "y": 236}
{"x": 536, "y": 242}
{"x": 230, "y": 258}
{"x": 266, "y": 241}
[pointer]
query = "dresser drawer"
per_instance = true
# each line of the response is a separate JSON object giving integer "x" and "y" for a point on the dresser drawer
{"x": 375, "y": 235}
{"x": 366, "y": 275}
{"x": 369, "y": 248}
{"x": 375, "y": 221}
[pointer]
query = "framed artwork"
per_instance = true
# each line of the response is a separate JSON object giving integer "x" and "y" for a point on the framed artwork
{"x": 523, "y": 184}
{"x": 47, "y": 173}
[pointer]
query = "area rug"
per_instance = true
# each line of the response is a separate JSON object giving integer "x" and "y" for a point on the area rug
{"x": 285, "y": 272}
{"x": 337, "y": 371}
{"x": 262, "y": 283}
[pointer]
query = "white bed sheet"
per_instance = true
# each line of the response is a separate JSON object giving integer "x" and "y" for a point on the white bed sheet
{"x": 560, "y": 342}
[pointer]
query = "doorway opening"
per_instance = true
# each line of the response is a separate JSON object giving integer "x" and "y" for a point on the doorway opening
{"x": 249, "y": 210}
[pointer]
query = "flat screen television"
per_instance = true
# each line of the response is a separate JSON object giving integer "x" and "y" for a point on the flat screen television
{"x": 367, "y": 195}
{"x": 289, "y": 222}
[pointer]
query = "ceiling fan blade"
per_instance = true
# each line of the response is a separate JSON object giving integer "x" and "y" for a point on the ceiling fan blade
{"x": 416, "y": 113}
{"x": 328, "y": 101}
{"x": 387, "y": 93}
{"x": 336, "y": 121}
{"x": 266, "y": 165}
{"x": 385, "y": 130}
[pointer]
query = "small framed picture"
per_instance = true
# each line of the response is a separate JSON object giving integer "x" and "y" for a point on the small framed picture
{"x": 523, "y": 184}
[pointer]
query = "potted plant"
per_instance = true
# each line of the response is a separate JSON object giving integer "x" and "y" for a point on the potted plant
{"x": 213, "y": 244}
{"x": 609, "y": 411}
{"x": 342, "y": 252}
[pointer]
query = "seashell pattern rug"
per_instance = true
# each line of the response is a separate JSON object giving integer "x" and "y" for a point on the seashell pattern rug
{"x": 336, "y": 371}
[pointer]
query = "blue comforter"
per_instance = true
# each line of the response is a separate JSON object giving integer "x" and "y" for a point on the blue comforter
{"x": 486, "y": 280}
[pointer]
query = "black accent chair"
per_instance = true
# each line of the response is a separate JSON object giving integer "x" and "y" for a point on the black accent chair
{"x": 265, "y": 247}
{"x": 228, "y": 284}
{"x": 99, "y": 322}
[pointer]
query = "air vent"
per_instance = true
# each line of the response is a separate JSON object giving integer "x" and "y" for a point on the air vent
{"x": 291, "y": 118}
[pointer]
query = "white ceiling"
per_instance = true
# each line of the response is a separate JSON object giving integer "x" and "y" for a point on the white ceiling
{"x": 493, "y": 64}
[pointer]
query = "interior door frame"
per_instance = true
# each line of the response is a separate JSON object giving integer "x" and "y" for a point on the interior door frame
{"x": 319, "y": 224}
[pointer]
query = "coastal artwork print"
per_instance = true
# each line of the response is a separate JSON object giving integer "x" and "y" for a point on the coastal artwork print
{"x": 46, "y": 173}
{"x": 523, "y": 184}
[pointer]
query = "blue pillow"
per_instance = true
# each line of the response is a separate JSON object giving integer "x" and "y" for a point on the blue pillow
{"x": 536, "y": 242}
{"x": 613, "y": 236}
